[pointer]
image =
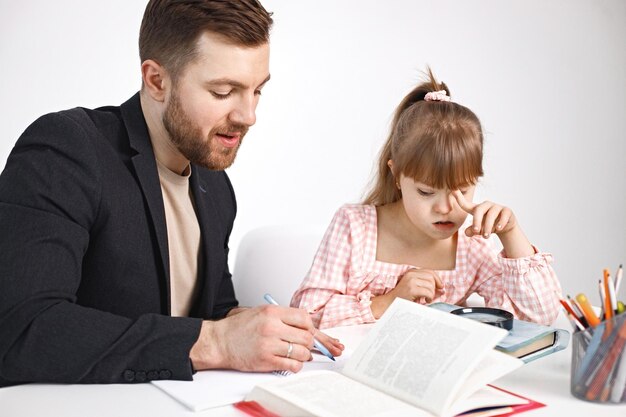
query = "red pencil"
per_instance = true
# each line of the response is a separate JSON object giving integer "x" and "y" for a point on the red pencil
{"x": 571, "y": 312}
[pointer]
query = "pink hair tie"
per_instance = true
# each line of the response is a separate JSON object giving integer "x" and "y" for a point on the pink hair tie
{"x": 437, "y": 96}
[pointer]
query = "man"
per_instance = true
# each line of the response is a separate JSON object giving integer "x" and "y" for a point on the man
{"x": 113, "y": 221}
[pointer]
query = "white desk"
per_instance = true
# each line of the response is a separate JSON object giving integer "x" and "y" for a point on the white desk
{"x": 546, "y": 380}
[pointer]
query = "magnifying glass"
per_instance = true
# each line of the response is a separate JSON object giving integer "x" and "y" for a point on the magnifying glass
{"x": 492, "y": 316}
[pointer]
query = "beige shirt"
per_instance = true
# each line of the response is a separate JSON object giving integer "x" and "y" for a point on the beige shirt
{"x": 183, "y": 235}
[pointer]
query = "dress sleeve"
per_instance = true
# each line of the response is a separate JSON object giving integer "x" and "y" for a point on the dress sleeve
{"x": 324, "y": 292}
{"x": 528, "y": 287}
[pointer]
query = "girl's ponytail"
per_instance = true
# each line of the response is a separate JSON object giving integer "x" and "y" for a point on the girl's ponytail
{"x": 385, "y": 189}
{"x": 418, "y": 94}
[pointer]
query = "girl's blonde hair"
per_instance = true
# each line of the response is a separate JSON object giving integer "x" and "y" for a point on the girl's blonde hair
{"x": 439, "y": 143}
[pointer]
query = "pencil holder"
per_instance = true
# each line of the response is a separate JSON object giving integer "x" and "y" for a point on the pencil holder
{"x": 599, "y": 362}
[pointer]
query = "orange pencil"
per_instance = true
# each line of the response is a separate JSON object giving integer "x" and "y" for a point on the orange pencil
{"x": 587, "y": 310}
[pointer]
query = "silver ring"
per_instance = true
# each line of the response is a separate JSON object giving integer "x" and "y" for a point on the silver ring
{"x": 289, "y": 350}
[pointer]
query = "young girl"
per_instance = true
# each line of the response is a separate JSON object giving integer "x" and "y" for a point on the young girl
{"x": 406, "y": 239}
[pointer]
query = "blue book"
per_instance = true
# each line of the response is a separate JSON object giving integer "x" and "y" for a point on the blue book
{"x": 526, "y": 341}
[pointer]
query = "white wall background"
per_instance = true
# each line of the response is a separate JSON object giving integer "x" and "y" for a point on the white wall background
{"x": 546, "y": 77}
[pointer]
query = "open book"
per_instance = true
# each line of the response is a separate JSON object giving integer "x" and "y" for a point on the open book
{"x": 415, "y": 361}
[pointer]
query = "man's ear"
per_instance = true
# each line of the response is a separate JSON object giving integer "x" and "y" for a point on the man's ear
{"x": 155, "y": 79}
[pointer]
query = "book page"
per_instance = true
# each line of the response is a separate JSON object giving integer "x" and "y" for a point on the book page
{"x": 493, "y": 366}
{"x": 561, "y": 341}
{"x": 330, "y": 394}
{"x": 485, "y": 397}
{"x": 421, "y": 355}
{"x": 215, "y": 388}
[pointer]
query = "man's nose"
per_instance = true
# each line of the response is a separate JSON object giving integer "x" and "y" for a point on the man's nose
{"x": 245, "y": 111}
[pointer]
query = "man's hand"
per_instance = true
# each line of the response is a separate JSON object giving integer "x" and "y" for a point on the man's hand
{"x": 256, "y": 339}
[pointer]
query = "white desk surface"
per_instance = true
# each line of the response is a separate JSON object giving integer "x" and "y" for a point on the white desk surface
{"x": 546, "y": 380}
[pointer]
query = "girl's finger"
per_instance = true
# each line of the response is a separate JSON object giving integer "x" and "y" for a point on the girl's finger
{"x": 479, "y": 213}
{"x": 425, "y": 292}
{"x": 432, "y": 277}
{"x": 489, "y": 221}
{"x": 467, "y": 206}
{"x": 424, "y": 284}
{"x": 469, "y": 232}
{"x": 438, "y": 281}
{"x": 504, "y": 219}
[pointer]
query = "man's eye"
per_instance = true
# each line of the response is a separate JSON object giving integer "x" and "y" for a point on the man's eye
{"x": 424, "y": 193}
{"x": 220, "y": 96}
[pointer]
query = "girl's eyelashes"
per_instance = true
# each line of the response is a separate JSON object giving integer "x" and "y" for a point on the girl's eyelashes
{"x": 424, "y": 193}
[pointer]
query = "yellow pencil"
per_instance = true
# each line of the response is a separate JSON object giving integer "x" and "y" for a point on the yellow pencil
{"x": 587, "y": 310}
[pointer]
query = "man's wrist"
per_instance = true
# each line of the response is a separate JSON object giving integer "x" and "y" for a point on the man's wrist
{"x": 206, "y": 353}
{"x": 236, "y": 310}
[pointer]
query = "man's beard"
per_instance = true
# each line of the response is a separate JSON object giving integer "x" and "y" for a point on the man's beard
{"x": 189, "y": 141}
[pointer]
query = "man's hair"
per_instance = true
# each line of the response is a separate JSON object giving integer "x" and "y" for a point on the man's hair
{"x": 170, "y": 28}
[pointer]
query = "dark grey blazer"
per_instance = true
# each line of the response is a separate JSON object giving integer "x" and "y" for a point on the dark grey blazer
{"x": 84, "y": 267}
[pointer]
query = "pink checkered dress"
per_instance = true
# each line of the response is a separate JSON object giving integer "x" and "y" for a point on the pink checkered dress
{"x": 345, "y": 275}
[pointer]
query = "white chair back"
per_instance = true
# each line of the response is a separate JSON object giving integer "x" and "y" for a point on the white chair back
{"x": 274, "y": 259}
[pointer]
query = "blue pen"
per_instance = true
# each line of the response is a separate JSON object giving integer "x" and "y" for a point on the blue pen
{"x": 316, "y": 342}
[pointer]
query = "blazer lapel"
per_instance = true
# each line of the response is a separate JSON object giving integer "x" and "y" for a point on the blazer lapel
{"x": 207, "y": 218}
{"x": 144, "y": 163}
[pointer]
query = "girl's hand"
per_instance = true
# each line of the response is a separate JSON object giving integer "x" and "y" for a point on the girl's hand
{"x": 419, "y": 285}
{"x": 493, "y": 218}
{"x": 334, "y": 346}
{"x": 488, "y": 217}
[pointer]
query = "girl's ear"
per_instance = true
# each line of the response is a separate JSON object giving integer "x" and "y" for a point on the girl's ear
{"x": 396, "y": 179}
